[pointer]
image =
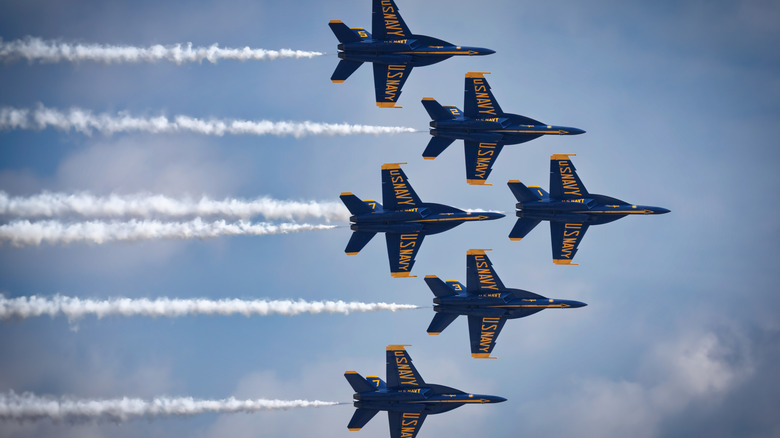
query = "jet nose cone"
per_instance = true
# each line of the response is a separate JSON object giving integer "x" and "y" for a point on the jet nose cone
{"x": 496, "y": 399}
{"x": 493, "y": 215}
{"x": 576, "y": 131}
{"x": 487, "y": 52}
{"x": 576, "y": 304}
{"x": 659, "y": 210}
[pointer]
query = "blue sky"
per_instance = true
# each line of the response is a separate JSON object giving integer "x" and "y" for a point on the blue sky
{"x": 680, "y": 101}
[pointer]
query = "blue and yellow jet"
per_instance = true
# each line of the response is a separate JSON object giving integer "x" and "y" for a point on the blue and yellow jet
{"x": 393, "y": 50}
{"x": 569, "y": 208}
{"x": 406, "y": 397}
{"x": 483, "y": 127}
{"x": 486, "y": 302}
{"x": 404, "y": 219}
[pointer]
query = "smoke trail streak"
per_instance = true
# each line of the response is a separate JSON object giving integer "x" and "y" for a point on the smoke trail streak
{"x": 148, "y": 206}
{"x": 76, "y": 308}
{"x": 37, "y": 49}
{"x": 85, "y": 122}
{"x": 30, "y": 407}
{"x": 23, "y": 232}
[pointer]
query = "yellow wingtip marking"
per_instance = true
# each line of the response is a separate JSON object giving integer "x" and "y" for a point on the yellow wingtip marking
{"x": 431, "y": 276}
{"x": 334, "y": 21}
{"x": 387, "y": 105}
{"x": 337, "y": 81}
{"x": 398, "y": 347}
{"x": 391, "y": 166}
{"x": 402, "y": 275}
{"x": 482, "y": 356}
{"x": 564, "y": 262}
{"x": 561, "y": 156}
{"x": 351, "y": 253}
{"x": 434, "y": 333}
{"x": 350, "y": 372}
{"x": 429, "y": 158}
{"x": 516, "y": 238}
{"x": 477, "y": 251}
{"x": 428, "y": 98}
{"x": 477, "y": 74}
{"x": 513, "y": 181}
{"x": 346, "y": 193}
{"x": 354, "y": 429}
{"x": 478, "y": 182}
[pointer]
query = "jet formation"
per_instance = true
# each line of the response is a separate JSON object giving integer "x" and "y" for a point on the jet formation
{"x": 404, "y": 219}
{"x": 569, "y": 208}
{"x": 393, "y": 50}
{"x": 486, "y": 303}
{"x": 406, "y": 397}
{"x": 483, "y": 127}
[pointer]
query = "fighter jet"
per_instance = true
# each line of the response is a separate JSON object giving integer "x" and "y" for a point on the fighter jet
{"x": 406, "y": 397}
{"x": 404, "y": 219}
{"x": 393, "y": 49}
{"x": 483, "y": 127}
{"x": 569, "y": 208}
{"x": 486, "y": 302}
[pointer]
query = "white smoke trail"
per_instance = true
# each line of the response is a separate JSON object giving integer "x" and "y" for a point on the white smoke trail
{"x": 76, "y": 308}
{"x": 30, "y": 407}
{"x": 85, "y": 122}
{"x": 23, "y": 232}
{"x": 148, "y": 206}
{"x": 37, "y": 49}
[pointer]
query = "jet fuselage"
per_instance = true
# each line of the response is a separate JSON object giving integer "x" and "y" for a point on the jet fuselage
{"x": 429, "y": 218}
{"x": 416, "y": 51}
{"x": 504, "y": 303}
{"x": 495, "y": 130}
{"x": 428, "y": 399}
{"x": 595, "y": 210}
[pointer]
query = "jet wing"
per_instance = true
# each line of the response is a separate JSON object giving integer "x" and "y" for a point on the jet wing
{"x": 401, "y": 373}
{"x": 397, "y": 193}
{"x": 386, "y": 21}
{"x": 564, "y": 182}
{"x": 401, "y": 251}
{"x": 566, "y": 237}
{"x": 480, "y": 157}
{"x": 483, "y": 332}
{"x": 405, "y": 424}
{"x": 480, "y": 276}
{"x": 388, "y": 81}
{"x": 479, "y": 102}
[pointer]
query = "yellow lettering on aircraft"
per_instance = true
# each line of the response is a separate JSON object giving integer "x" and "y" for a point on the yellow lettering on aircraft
{"x": 402, "y": 193}
{"x": 570, "y": 185}
{"x": 454, "y": 111}
{"x": 484, "y": 102}
{"x": 488, "y": 334}
{"x": 570, "y": 234}
{"x": 392, "y": 23}
{"x": 491, "y": 295}
{"x": 406, "y": 251}
{"x": 410, "y": 421}
{"x": 395, "y": 74}
{"x": 485, "y": 152}
{"x": 405, "y": 372}
{"x": 486, "y": 279}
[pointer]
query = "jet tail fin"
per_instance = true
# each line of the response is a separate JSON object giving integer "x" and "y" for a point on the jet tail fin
{"x": 525, "y": 194}
{"x": 436, "y": 110}
{"x": 358, "y": 240}
{"x": 360, "y": 418}
{"x": 442, "y": 289}
{"x": 358, "y": 382}
{"x": 343, "y": 33}
{"x": 357, "y": 206}
{"x": 436, "y": 146}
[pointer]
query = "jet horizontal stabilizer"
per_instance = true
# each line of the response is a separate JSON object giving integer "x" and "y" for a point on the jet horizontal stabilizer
{"x": 436, "y": 146}
{"x": 361, "y": 417}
